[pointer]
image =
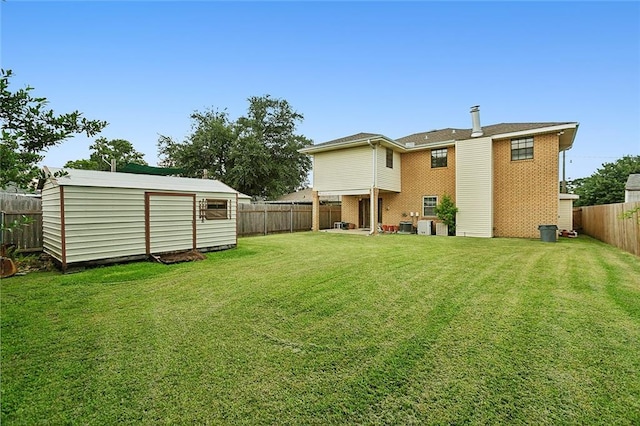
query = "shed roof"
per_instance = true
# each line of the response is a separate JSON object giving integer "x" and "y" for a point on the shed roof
{"x": 93, "y": 178}
{"x": 633, "y": 182}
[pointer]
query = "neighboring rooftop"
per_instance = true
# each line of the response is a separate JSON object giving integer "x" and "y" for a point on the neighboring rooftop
{"x": 633, "y": 182}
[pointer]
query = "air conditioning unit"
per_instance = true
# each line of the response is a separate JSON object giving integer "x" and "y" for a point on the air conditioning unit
{"x": 425, "y": 227}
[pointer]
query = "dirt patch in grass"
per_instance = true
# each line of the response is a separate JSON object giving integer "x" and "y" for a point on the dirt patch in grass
{"x": 34, "y": 263}
{"x": 188, "y": 256}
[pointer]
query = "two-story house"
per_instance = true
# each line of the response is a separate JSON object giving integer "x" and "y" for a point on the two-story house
{"x": 504, "y": 178}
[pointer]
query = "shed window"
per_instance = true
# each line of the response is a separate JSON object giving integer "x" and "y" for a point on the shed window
{"x": 217, "y": 209}
{"x": 389, "y": 158}
{"x": 438, "y": 158}
{"x": 521, "y": 149}
{"x": 428, "y": 205}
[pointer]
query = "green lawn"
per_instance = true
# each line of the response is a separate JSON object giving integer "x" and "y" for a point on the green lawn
{"x": 332, "y": 329}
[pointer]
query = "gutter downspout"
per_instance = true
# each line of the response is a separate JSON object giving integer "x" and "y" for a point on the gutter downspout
{"x": 372, "y": 193}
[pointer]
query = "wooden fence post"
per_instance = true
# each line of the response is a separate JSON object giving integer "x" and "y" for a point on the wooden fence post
{"x": 265, "y": 219}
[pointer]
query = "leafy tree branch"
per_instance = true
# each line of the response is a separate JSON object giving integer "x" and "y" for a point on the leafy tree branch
{"x": 29, "y": 128}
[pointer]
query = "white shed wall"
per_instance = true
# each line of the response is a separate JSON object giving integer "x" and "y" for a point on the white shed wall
{"x": 631, "y": 195}
{"x": 51, "y": 225}
{"x": 170, "y": 223}
{"x": 474, "y": 188}
{"x": 102, "y": 223}
{"x": 213, "y": 233}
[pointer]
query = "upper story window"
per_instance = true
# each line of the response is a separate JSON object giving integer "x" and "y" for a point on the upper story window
{"x": 390, "y": 158}
{"x": 522, "y": 149}
{"x": 428, "y": 205}
{"x": 439, "y": 158}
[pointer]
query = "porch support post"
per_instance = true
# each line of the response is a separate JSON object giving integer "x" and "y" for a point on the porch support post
{"x": 374, "y": 210}
{"x": 315, "y": 212}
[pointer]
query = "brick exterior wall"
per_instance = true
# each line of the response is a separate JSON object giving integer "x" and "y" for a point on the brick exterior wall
{"x": 349, "y": 210}
{"x": 418, "y": 180}
{"x": 525, "y": 192}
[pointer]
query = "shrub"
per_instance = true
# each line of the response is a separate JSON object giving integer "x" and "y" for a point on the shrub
{"x": 446, "y": 211}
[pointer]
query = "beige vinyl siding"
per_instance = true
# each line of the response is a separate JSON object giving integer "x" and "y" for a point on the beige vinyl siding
{"x": 474, "y": 188}
{"x": 631, "y": 195}
{"x": 565, "y": 214}
{"x": 103, "y": 223}
{"x": 214, "y": 233}
{"x": 343, "y": 170}
{"x": 51, "y": 225}
{"x": 170, "y": 223}
{"x": 387, "y": 179}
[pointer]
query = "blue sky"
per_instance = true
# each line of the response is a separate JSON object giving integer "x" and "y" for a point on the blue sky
{"x": 394, "y": 68}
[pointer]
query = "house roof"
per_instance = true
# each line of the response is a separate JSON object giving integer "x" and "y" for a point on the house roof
{"x": 633, "y": 182}
{"x": 95, "y": 178}
{"x": 361, "y": 138}
{"x": 450, "y": 135}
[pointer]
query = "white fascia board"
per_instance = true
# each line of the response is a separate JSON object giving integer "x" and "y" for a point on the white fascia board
{"x": 569, "y": 196}
{"x": 573, "y": 138}
{"x": 539, "y": 130}
{"x": 365, "y": 191}
{"x": 351, "y": 144}
{"x": 434, "y": 145}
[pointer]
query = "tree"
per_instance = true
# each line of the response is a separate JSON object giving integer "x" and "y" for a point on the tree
{"x": 265, "y": 158}
{"x": 29, "y": 129}
{"x": 106, "y": 150}
{"x": 207, "y": 148}
{"x": 257, "y": 154}
{"x": 606, "y": 185}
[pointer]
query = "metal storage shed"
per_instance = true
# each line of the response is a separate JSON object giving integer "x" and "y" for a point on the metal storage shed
{"x": 92, "y": 217}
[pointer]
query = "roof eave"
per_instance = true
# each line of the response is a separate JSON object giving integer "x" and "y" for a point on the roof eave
{"x": 351, "y": 144}
{"x": 565, "y": 144}
{"x": 431, "y": 145}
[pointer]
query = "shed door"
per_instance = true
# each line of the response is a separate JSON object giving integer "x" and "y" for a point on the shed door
{"x": 170, "y": 222}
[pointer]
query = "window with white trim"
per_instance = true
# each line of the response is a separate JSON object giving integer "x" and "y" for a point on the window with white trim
{"x": 522, "y": 148}
{"x": 390, "y": 158}
{"x": 438, "y": 158}
{"x": 428, "y": 205}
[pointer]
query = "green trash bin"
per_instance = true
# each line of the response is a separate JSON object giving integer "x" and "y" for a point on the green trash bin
{"x": 548, "y": 233}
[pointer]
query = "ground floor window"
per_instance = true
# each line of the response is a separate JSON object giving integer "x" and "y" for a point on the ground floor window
{"x": 428, "y": 205}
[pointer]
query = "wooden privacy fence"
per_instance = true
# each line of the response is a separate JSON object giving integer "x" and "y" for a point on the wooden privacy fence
{"x": 606, "y": 224}
{"x": 256, "y": 219}
{"x": 27, "y": 238}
